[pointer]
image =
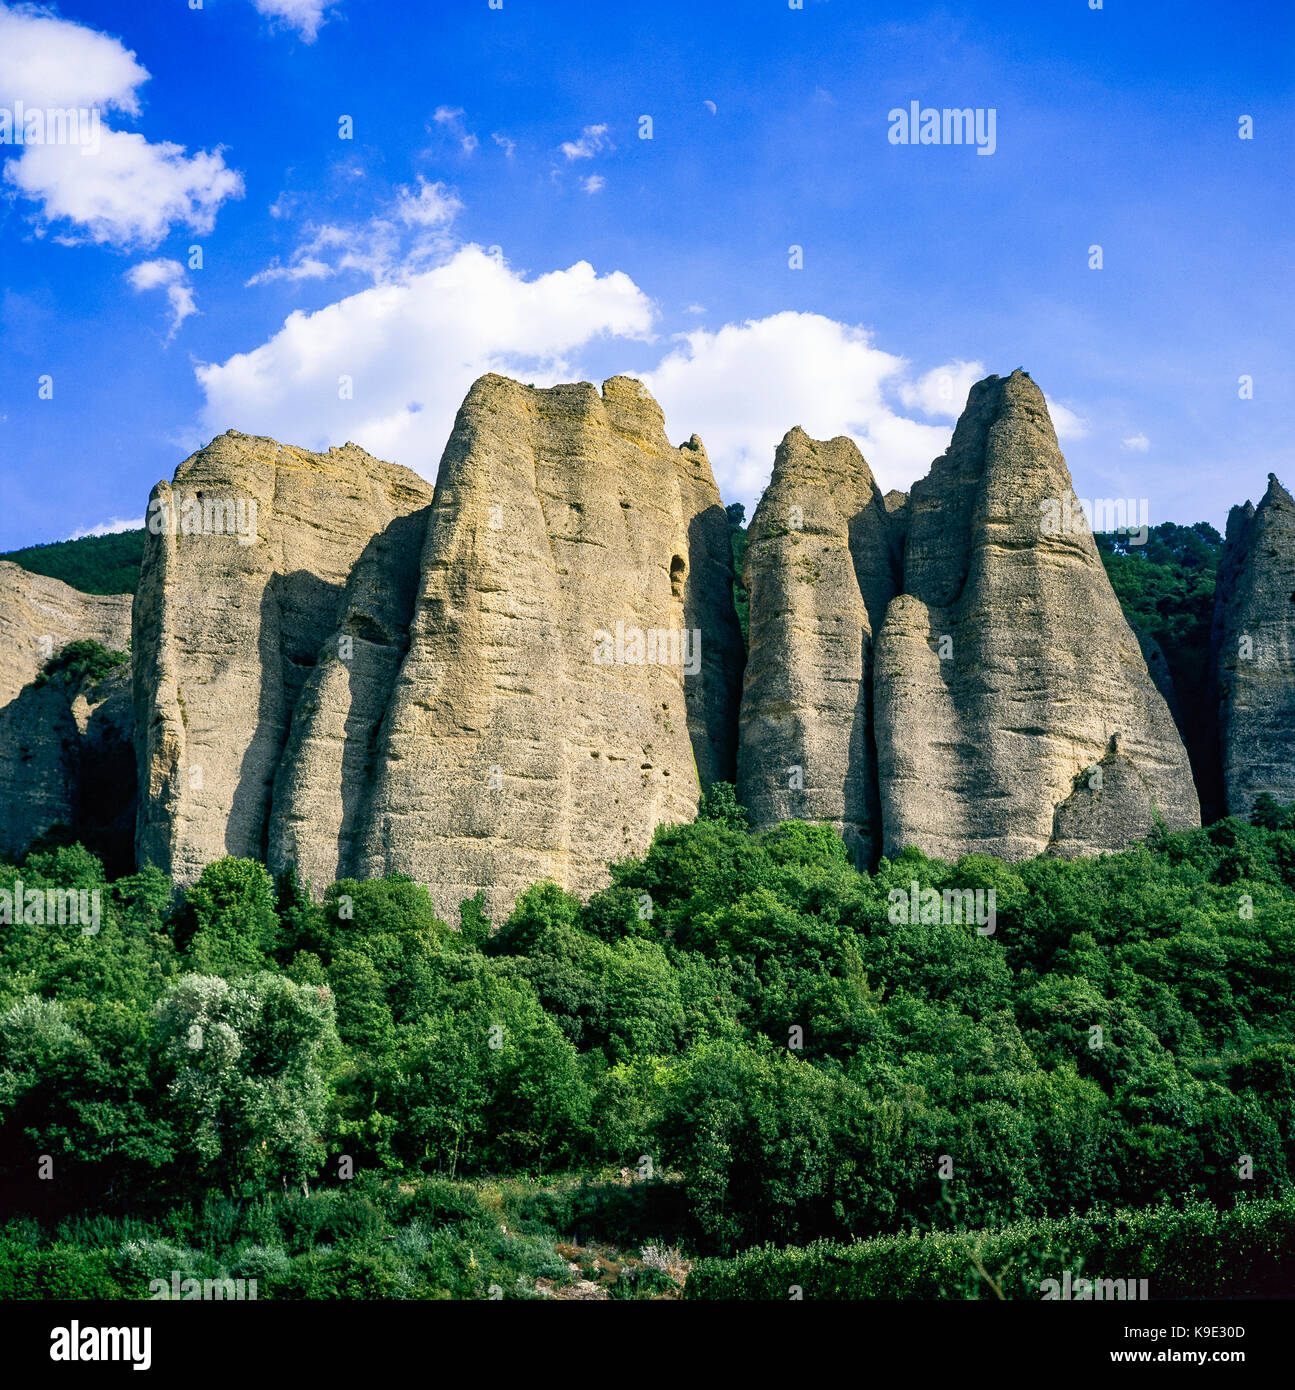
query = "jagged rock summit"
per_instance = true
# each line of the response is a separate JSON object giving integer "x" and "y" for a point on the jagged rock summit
{"x": 516, "y": 675}
{"x": 520, "y": 673}
{"x": 1006, "y": 669}
{"x": 1253, "y": 643}
{"x": 574, "y": 655}
{"x": 247, "y": 555}
{"x": 950, "y": 669}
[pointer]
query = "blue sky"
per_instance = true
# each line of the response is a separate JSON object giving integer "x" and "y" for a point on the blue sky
{"x": 497, "y": 210}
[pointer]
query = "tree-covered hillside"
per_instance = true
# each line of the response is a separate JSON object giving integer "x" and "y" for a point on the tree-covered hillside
{"x": 1166, "y": 588}
{"x": 93, "y": 564}
{"x": 740, "y": 1040}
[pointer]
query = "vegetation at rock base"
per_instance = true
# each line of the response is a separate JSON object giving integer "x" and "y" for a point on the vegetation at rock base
{"x": 729, "y": 1050}
{"x": 738, "y": 537}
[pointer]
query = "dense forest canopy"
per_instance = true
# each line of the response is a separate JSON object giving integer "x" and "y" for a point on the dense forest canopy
{"x": 93, "y": 564}
{"x": 737, "y": 1022}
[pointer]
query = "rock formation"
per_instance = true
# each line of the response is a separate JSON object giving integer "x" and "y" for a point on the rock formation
{"x": 821, "y": 567}
{"x": 249, "y": 550}
{"x": 58, "y": 738}
{"x": 360, "y": 676}
{"x": 540, "y": 724}
{"x": 1254, "y": 650}
{"x": 1006, "y": 669}
{"x": 519, "y": 674}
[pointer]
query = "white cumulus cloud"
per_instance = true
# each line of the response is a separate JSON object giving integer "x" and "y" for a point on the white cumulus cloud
{"x": 131, "y": 192}
{"x": 117, "y": 188}
{"x": 943, "y": 390}
{"x": 411, "y": 348}
{"x": 1137, "y": 443}
{"x": 48, "y": 61}
{"x": 1065, "y": 422}
{"x": 743, "y": 387}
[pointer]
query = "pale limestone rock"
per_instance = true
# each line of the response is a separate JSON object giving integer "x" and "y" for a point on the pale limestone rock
{"x": 820, "y": 570}
{"x": 327, "y": 769}
{"x": 52, "y": 738}
{"x": 228, "y": 623}
{"x": 1254, "y": 651}
{"x": 510, "y": 752}
{"x": 39, "y": 616}
{"x": 1006, "y": 667}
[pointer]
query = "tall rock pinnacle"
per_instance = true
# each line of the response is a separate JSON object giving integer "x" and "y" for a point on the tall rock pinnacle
{"x": 560, "y": 654}
{"x": 1254, "y": 650}
{"x": 1014, "y": 710}
{"x": 248, "y": 552}
{"x": 820, "y": 570}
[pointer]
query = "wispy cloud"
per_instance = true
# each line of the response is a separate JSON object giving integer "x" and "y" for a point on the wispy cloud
{"x": 305, "y": 16}
{"x": 450, "y": 118}
{"x": 169, "y": 276}
{"x": 409, "y": 233}
{"x": 113, "y": 527}
{"x": 593, "y": 140}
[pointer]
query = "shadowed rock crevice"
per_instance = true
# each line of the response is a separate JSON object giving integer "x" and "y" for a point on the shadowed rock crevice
{"x": 320, "y": 801}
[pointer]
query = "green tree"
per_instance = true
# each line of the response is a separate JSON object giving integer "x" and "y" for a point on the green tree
{"x": 229, "y": 924}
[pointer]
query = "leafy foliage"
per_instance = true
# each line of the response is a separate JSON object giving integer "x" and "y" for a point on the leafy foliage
{"x": 93, "y": 564}
{"x": 1166, "y": 588}
{"x": 739, "y": 1034}
{"x": 1194, "y": 1252}
{"x": 83, "y": 662}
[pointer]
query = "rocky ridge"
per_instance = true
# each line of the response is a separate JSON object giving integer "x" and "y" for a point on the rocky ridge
{"x": 520, "y": 673}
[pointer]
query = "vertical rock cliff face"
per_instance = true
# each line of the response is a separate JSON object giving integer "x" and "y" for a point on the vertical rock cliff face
{"x": 249, "y": 550}
{"x": 327, "y": 769}
{"x": 533, "y": 731}
{"x": 54, "y": 738}
{"x": 820, "y": 569}
{"x": 1014, "y": 710}
{"x": 1254, "y": 650}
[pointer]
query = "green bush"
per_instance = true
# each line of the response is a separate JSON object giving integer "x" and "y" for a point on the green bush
{"x": 59, "y": 1271}
{"x": 1196, "y": 1252}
